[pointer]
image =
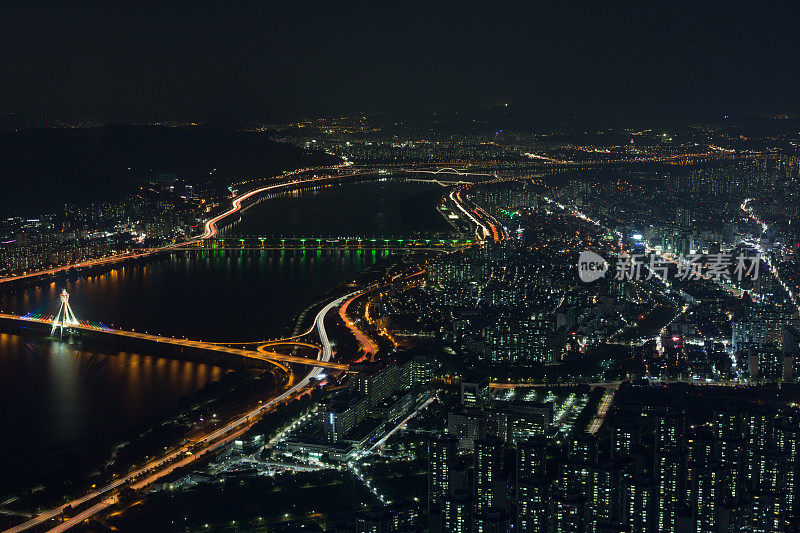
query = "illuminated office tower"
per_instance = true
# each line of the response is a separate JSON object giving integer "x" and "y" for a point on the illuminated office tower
{"x": 759, "y": 435}
{"x": 397, "y": 517}
{"x": 761, "y": 329}
{"x": 488, "y": 471}
{"x": 458, "y": 510}
{"x": 704, "y": 498}
{"x": 581, "y": 458}
{"x": 625, "y": 439}
{"x": 787, "y": 438}
{"x": 683, "y": 217}
{"x": 568, "y": 514}
{"x": 574, "y": 484}
{"x": 734, "y": 516}
{"x": 532, "y": 458}
{"x": 791, "y": 353}
{"x": 442, "y": 455}
{"x": 671, "y": 430}
{"x": 729, "y": 450}
{"x": 767, "y": 363}
{"x": 670, "y": 483}
{"x": 624, "y": 448}
{"x": 638, "y": 501}
{"x": 606, "y": 496}
{"x": 533, "y": 500}
{"x": 670, "y": 468}
{"x": 471, "y": 393}
{"x": 532, "y": 486}
{"x": 699, "y": 449}
{"x": 765, "y": 498}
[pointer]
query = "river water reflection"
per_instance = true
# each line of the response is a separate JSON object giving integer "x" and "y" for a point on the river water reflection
{"x": 62, "y": 404}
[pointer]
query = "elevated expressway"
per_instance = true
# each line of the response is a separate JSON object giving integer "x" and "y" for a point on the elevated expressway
{"x": 486, "y": 226}
{"x": 184, "y": 455}
{"x": 209, "y": 229}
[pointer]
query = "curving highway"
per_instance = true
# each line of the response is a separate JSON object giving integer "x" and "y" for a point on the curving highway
{"x": 485, "y": 225}
{"x": 210, "y": 226}
{"x": 368, "y": 346}
{"x": 765, "y": 256}
{"x": 178, "y": 457}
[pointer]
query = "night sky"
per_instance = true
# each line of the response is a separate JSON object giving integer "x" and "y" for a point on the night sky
{"x": 254, "y": 61}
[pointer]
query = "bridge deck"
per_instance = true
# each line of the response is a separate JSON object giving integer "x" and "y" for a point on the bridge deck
{"x": 186, "y": 343}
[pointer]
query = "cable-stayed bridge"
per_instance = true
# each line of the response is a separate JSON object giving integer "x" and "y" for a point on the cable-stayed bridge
{"x": 66, "y": 319}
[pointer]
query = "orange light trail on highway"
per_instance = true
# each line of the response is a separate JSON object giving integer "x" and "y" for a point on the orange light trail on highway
{"x": 479, "y": 217}
{"x": 186, "y": 343}
{"x": 367, "y": 345}
{"x": 209, "y": 442}
{"x": 210, "y": 230}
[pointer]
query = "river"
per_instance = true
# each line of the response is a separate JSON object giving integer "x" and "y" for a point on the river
{"x": 59, "y": 400}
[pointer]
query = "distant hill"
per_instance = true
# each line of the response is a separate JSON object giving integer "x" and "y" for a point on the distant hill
{"x": 41, "y": 169}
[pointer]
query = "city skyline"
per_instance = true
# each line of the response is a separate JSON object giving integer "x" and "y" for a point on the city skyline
{"x": 399, "y": 267}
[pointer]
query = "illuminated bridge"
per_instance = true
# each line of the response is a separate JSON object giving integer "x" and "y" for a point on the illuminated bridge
{"x": 448, "y": 170}
{"x": 443, "y": 183}
{"x": 326, "y": 243}
{"x": 262, "y": 354}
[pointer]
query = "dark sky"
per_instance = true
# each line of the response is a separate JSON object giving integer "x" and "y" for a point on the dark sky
{"x": 251, "y": 61}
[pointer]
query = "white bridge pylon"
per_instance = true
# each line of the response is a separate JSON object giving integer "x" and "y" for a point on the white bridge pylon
{"x": 65, "y": 317}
